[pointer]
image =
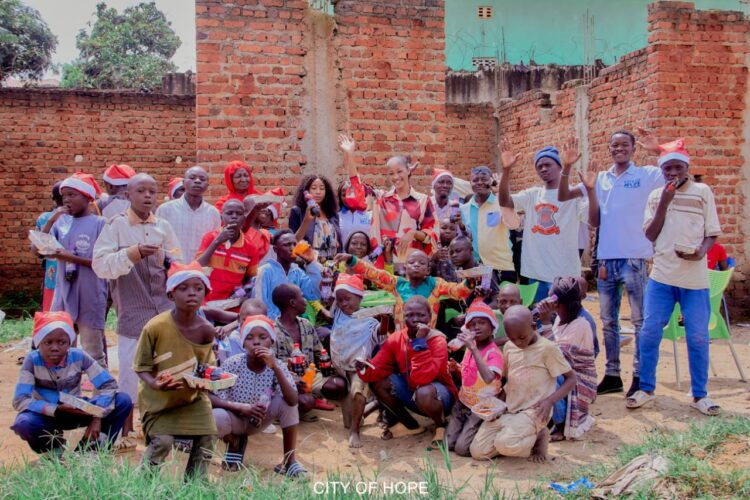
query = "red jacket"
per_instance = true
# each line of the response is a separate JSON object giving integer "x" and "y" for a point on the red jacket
{"x": 397, "y": 355}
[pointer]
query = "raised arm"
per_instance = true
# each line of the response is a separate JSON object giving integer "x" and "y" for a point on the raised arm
{"x": 348, "y": 146}
{"x": 655, "y": 217}
{"x": 588, "y": 180}
{"x": 568, "y": 156}
{"x": 507, "y": 160}
{"x": 380, "y": 278}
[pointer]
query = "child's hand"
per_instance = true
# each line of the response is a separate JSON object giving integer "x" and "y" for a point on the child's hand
{"x": 266, "y": 355}
{"x": 147, "y": 250}
{"x": 61, "y": 210}
{"x": 227, "y": 233}
{"x": 423, "y": 331}
{"x": 543, "y": 409}
{"x": 468, "y": 339}
{"x": 302, "y": 387}
{"x": 70, "y": 410}
{"x": 546, "y": 309}
{"x": 165, "y": 382}
{"x": 459, "y": 320}
{"x": 346, "y": 144}
{"x": 453, "y": 367}
{"x": 93, "y": 430}
{"x": 345, "y": 258}
{"x": 223, "y": 332}
{"x": 257, "y": 412}
{"x": 61, "y": 252}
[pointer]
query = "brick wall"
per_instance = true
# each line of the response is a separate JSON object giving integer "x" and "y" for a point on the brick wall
{"x": 43, "y": 131}
{"x": 470, "y": 137}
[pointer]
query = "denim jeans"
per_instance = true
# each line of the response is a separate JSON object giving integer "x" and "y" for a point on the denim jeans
{"x": 696, "y": 311}
{"x": 630, "y": 273}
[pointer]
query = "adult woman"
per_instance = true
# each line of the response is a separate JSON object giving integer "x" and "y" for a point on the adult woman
{"x": 401, "y": 213}
{"x": 321, "y": 231}
{"x": 239, "y": 181}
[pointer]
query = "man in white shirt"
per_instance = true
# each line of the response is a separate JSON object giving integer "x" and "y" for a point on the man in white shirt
{"x": 191, "y": 216}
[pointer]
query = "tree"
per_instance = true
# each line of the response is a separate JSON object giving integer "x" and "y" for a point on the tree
{"x": 132, "y": 50}
{"x": 26, "y": 42}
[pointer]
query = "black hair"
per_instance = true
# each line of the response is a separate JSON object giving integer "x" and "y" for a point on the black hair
{"x": 281, "y": 232}
{"x": 568, "y": 294}
{"x": 329, "y": 206}
{"x": 624, "y": 132}
{"x": 56, "y": 194}
{"x": 461, "y": 239}
{"x": 283, "y": 294}
{"x": 367, "y": 237}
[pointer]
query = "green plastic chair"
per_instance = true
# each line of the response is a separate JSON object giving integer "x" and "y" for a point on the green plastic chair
{"x": 528, "y": 292}
{"x": 378, "y": 298}
{"x": 718, "y": 326}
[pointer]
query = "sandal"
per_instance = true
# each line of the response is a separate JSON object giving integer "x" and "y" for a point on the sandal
{"x": 323, "y": 404}
{"x": 126, "y": 443}
{"x": 294, "y": 471}
{"x": 638, "y": 399}
{"x": 308, "y": 417}
{"x": 706, "y": 407}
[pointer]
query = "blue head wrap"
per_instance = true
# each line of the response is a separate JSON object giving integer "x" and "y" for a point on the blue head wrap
{"x": 548, "y": 152}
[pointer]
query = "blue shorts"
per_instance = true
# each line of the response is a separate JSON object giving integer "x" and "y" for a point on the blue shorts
{"x": 400, "y": 389}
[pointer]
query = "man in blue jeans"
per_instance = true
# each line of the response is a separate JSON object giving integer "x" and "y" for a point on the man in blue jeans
{"x": 616, "y": 208}
{"x": 682, "y": 222}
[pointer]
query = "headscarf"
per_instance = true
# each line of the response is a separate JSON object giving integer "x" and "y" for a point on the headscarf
{"x": 229, "y": 171}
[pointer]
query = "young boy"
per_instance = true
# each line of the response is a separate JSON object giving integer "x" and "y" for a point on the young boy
{"x": 550, "y": 233}
{"x": 441, "y": 261}
{"x": 417, "y": 282}
{"x": 53, "y": 367}
{"x": 481, "y": 370}
{"x": 410, "y": 371}
{"x": 168, "y": 407}
{"x": 682, "y": 222}
{"x": 175, "y": 188}
{"x": 79, "y": 291}
{"x": 352, "y": 338}
{"x": 264, "y": 391}
{"x": 116, "y": 179}
{"x": 50, "y": 265}
{"x": 531, "y": 367}
{"x": 132, "y": 251}
{"x": 232, "y": 258}
{"x": 231, "y": 345}
{"x": 510, "y": 295}
{"x": 293, "y": 329}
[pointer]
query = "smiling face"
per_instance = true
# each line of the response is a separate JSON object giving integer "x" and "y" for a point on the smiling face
{"x": 481, "y": 183}
{"x": 189, "y": 294}
{"x": 621, "y": 148}
{"x": 75, "y": 200}
{"x": 54, "y": 347}
{"x": 482, "y": 329}
{"x": 195, "y": 182}
{"x": 417, "y": 265}
{"x": 142, "y": 193}
{"x": 548, "y": 170}
{"x": 398, "y": 173}
{"x": 317, "y": 190}
{"x": 443, "y": 186}
{"x": 675, "y": 171}
{"x": 358, "y": 245}
{"x": 241, "y": 180}
{"x": 416, "y": 312}
{"x": 347, "y": 301}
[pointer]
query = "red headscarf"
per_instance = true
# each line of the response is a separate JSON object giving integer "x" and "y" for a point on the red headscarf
{"x": 228, "y": 173}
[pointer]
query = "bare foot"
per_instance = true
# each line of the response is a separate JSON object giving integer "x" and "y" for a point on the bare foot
{"x": 354, "y": 441}
{"x": 539, "y": 451}
{"x": 557, "y": 436}
{"x": 386, "y": 435}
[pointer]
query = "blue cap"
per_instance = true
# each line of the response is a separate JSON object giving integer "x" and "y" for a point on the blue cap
{"x": 548, "y": 152}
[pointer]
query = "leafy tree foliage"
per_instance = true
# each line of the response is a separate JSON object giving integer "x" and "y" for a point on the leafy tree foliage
{"x": 26, "y": 42}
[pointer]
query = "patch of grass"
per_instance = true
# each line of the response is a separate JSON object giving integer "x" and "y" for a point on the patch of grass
{"x": 15, "y": 329}
{"x": 111, "y": 324}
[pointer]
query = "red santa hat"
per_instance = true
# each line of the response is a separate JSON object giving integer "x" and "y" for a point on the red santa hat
{"x": 351, "y": 283}
{"x": 83, "y": 183}
{"x": 47, "y": 322}
{"x": 258, "y": 320}
{"x": 118, "y": 175}
{"x": 179, "y": 273}
{"x": 175, "y": 184}
{"x": 275, "y": 208}
{"x": 438, "y": 173}
{"x": 479, "y": 309}
{"x": 674, "y": 150}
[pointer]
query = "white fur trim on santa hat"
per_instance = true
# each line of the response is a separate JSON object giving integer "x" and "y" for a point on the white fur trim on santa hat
{"x": 482, "y": 314}
{"x": 674, "y": 156}
{"x": 116, "y": 182}
{"x": 247, "y": 327}
{"x": 182, "y": 276}
{"x": 50, "y": 327}
{"x": 79, "y": 185}
{"x": 349, "y": 289}
{"x": 441, "y": 174}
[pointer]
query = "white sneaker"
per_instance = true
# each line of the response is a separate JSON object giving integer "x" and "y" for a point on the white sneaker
{"x": 271, "y": 429}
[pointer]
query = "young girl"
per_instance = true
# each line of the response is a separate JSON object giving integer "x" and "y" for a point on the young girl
{"x": 321, "y": 229}
{"x": 264, "y": 392}
{"x": 481, "y": 370}
{"x": 573, "y": 335}
{"x": 353, "y": 213}
{"x": 168, "y": 407}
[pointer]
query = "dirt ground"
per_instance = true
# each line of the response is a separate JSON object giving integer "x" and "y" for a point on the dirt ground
{"x": 323, "y": 445}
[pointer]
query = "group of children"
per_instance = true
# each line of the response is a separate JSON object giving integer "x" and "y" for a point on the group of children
{"x": 195, "y": 286}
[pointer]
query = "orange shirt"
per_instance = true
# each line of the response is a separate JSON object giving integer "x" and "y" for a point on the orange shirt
{"x": 230, "y": 266}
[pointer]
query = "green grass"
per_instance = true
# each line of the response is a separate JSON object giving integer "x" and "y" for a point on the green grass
{"x": 15, "y": 329}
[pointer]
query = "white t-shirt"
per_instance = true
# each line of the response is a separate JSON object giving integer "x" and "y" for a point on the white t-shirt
{"x": 550, "y": 233}
{"x": 190, "y": 225}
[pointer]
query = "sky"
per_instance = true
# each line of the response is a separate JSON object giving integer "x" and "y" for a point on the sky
{"x": 66, "y": 17}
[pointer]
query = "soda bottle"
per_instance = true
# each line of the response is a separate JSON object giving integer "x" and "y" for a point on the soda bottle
{"x": 315, "y": 209}
{"x": 297, "y": 361}
{"x": 535, "y": 312}
{"x": 71, "y": 270}
{"x": 455, "y": 211}
{"x": 326, "y": 368}
{"x": 326, "y": 283}
{"x": 375, "y": 253}
{"x": 309, "y": 376}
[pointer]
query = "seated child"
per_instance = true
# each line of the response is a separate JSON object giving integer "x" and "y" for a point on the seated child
{"x": 548, "y": 313}
{"x": 53, "y": 367}
{"x": 352, "y": 338}
{"x": 417, "y": 282}
{"x": 294, "y": 329}
{"x": 230, "y": 344}
{"x": 441, "y": 262}
{"x": 264, "y": 391}
{"x": 572, "y": 334}
{"x": 531, "y": 367}
{"x": 510, "y": 295}
{"x": 232, "y": 257}
{"x": 481, "y": 370}
{"x": 168, "y": 407}
{"x": 410, "y": 371}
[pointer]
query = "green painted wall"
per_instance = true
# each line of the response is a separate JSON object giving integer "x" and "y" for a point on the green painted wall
{"x": 549, "y": 31}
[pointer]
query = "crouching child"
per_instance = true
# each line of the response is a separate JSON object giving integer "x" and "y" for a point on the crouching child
{"x": 52, "y": 368}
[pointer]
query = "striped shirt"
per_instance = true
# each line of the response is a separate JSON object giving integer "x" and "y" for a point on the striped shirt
{"x": 230, "y": 265}
{"x": 39, "y": 385}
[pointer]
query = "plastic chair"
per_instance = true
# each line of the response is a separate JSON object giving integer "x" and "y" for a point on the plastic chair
{"x": 718, "y": 326}
{"x": 528, "y": 292}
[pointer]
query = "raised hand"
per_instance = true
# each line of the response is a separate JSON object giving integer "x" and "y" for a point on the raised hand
{"x": 588, "y": 179}
{"x": 648, "y": 141}
{"x": 412, "y": 166}
{"x": 346, "y": 258}
{"x": 570, "y": 153}
{"x": 507, "y": 157}
{"x": 346, "y": 144}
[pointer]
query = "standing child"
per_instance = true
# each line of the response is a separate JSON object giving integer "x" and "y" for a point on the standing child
{"x": 168, "y": 407}
{"x": 52, "y": 368}
{"x": 264, "y": 391}
{"x": 531, "y": 367}
{"x": 352, "y": 338}
{"x": 132, "y": 251}
{"x": 116, "y": 179}
{"x": 79, "y": 291}
{"x": 50, "y": 265}
{"x": 682, "y": 222}
{"x": 481, "y": 370}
